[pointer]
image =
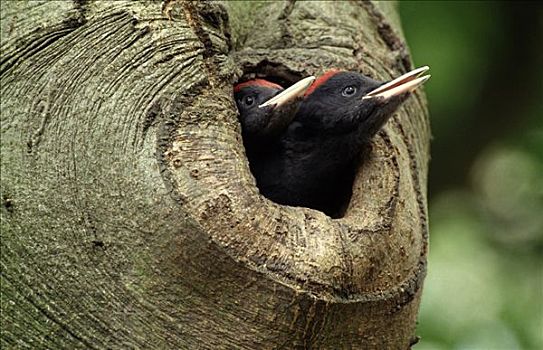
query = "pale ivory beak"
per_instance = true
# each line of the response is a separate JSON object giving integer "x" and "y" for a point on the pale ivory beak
{"x": 405, "y": 83}
{"x": 291, "y": 93}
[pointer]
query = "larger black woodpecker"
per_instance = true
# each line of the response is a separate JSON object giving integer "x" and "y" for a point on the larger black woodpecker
{"x": 314, "y": 161}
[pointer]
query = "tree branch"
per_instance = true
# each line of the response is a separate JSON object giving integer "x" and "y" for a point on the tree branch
{"x": 134, "y": 220}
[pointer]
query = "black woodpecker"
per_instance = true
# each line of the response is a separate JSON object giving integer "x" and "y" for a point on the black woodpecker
{"x": 314, "y": 160}
{"x": 265, "y": 111}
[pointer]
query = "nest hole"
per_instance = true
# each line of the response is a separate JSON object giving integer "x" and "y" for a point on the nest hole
{"x": 282, "y": 75}
{"x": 274, "y": 72}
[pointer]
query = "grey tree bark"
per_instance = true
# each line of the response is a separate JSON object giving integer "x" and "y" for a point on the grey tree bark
{"x": 130, "y": 218}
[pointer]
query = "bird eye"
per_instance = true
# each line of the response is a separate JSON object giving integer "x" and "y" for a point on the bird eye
{"x": 349, "y": 91}
{"x": 249, "y": 100}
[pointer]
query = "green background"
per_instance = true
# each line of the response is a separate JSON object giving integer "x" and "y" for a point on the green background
{"x": 485, "y": 279}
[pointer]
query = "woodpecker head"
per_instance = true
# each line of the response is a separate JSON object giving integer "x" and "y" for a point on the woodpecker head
{"x": 266, "y": 108}
{"x": 341, "y": 102}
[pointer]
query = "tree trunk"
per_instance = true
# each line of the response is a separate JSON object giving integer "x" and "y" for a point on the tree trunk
{"x": 130, "y": 218}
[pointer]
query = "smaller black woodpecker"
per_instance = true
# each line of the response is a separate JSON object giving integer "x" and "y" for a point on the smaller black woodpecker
{"x": 266, "y": 110}
{"x": 314, "y": 161}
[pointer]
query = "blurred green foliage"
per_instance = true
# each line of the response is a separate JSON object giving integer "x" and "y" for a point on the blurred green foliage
{"x": 484, "y": 288}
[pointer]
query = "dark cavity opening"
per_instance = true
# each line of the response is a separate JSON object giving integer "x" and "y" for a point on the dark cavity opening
{"x": 273, "y": 72}
{"x": 264, "y": 151}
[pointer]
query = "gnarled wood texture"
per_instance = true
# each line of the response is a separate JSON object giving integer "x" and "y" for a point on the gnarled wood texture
{"x": 130, "y": 218}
